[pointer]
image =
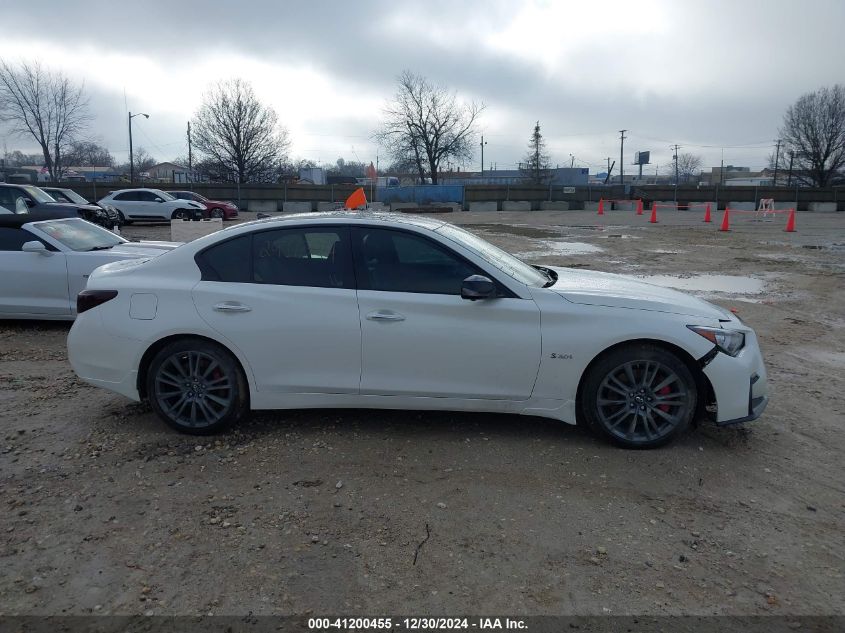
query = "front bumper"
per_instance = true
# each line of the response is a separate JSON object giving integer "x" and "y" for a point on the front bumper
{"x": 739, "y": 383}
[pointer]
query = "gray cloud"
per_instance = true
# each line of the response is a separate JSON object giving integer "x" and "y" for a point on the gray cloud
{"x": 720, "y": 73}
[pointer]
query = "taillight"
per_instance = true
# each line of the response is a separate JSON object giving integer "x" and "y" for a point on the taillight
{"x": 88, "y": 299}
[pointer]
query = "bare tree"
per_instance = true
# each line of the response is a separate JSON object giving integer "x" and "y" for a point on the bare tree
{"x": 239, "y": 133}
{"x": 425, "y": 124}
{"x": 88, "y": 154}
{"x": 689, "y": 166}
{"x": 17, "y": 158}
{"x": 143, "y": 161}
{"x": 44, "y": 105}
{"x": 814, "y": 130}
{"x": 536, "y": 165}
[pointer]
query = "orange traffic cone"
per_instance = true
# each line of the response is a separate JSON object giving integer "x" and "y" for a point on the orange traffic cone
{"x": 653, "y": 219}
{"x": 790, "y": 222}
{"x": 726, "y": 221}
{"x": 601, "y": 206}
{"x": 707, "y": 213}
{"x": 640, "y": 206}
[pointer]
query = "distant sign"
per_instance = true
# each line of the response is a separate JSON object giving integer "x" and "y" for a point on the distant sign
{"x": 569, "y": 190}
{"x": 642, "y": 158}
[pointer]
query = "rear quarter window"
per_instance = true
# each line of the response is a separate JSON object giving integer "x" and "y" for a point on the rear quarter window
{"x": 228, "y": 261}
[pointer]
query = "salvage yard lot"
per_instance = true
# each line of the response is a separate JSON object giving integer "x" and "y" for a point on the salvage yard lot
{"x": 105, "y": 510}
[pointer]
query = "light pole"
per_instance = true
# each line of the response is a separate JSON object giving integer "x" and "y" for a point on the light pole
{"x": 483, "y": 143}
{"x": 131, "y": 161}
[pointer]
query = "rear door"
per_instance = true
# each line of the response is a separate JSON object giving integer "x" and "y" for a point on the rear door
{"x": 286, "y": 298}
{"x": 31, "y": 283}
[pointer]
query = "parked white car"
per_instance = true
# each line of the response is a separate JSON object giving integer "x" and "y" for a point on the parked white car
{"x": 151, "y": 204}
{"x": 45, "y": 264}
{"x": 398, "y": 312}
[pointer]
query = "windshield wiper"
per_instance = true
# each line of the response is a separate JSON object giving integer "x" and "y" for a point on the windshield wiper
{"x": 100, "y": 248}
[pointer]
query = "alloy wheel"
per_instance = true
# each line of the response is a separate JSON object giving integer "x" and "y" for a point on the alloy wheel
{"x": 193, "y": 389}
{"x": 642, "y": 401}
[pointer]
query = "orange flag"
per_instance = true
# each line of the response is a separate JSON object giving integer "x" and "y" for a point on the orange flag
{"x": 357, "y": 199}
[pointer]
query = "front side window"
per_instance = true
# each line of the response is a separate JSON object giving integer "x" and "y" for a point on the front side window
{"x": 396, "y": 261}
{"x": 13, "y": 239}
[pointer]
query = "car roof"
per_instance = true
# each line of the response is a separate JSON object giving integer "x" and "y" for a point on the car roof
{"x": 352, "y": 217}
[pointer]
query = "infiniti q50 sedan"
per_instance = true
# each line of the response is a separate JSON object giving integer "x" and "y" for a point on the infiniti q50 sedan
{"x": 362, "y": 310}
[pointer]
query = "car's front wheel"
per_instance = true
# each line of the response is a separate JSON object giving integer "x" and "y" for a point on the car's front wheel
{"x": 196, "y": 387}
{"x": 181, "y": 214}
{"x": 639, "y": 396}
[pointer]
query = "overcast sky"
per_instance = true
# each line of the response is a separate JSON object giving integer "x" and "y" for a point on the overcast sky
{"x": 706, "y": 74}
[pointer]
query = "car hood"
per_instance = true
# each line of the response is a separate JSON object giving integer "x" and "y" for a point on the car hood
{"x": 590, "y": 287}
{"x": 138, "y": 249}
{"x": 75, "y": 205}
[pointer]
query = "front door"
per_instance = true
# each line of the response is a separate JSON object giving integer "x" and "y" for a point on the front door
{"x": 31, "y": 283}
{"x": 286, "y": 299}
{"x": 420, "y": 338}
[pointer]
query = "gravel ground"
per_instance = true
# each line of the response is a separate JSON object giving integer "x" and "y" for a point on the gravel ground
{"x": 104, "y": 510}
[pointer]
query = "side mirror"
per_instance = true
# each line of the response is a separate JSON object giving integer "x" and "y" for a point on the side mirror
{"x": 478, "y": 287}
{"x": 35, "y": 247}
{"x": 29, "y": 202}
{"x": 159, "y": 200}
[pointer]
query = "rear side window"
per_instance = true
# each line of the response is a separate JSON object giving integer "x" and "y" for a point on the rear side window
{"x": 126, "y": 195}
{"x": 228, "y": 261}
{"x": 316, "y": 257}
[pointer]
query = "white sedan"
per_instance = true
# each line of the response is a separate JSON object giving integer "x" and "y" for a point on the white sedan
{"x": 365, "y": 310}
{"x": 45, "y": 264}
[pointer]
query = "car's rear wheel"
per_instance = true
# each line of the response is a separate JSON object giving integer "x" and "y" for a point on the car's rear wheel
{"x": 217, "y": 213}
{"x": 639, "y": 396}
{"x": 197, "y": 387}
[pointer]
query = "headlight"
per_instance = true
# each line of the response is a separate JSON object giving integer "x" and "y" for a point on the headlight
{"x": 728, "y": 341}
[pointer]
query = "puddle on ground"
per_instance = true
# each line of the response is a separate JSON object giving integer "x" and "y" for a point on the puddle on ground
{"x": 665, "y": 251}
{"x": 549, "y": 247}
{"x": 724, "y": 284}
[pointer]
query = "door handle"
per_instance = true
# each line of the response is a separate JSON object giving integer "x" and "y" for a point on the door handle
{"x": 232, "y": 306}
{"x": 385, "y": 315}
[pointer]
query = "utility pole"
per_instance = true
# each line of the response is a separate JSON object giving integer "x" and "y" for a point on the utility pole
{"x": 482, "y": 155}
{"x": 676, "y": 147}
{"x": 621, "y": 152}
{"x": 777, "y": 155}
{"x": 571, "y": 161}
{"x": 131, "y": 159}
{"x": 789, "y": 178}
{"x": 190, "y": 160}
{"x": 608, "y": 164}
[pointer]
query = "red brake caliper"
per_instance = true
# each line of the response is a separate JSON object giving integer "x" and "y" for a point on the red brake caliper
{"x": 663, "y": 392}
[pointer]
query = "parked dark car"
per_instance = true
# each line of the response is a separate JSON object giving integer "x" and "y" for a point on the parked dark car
{"x": 215, "y": 208}
{"x": 40, "y": 205}
{"x": 69, "y": 196}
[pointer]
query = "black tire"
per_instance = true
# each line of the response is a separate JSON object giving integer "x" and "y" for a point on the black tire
{"x": 123, "y": 220}
{"x": 639, "y": 396}
{"x": 217, "y": 212}
{"x": 196, "y": 387}
{"x": 181, "y": 214}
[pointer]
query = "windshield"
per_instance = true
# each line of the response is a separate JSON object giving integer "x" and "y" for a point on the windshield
{"x": 495, "y": 256}
{"x": 74, "y": 197}
{"x": 37, "y": 194}
{"x": 79, "y": 235}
